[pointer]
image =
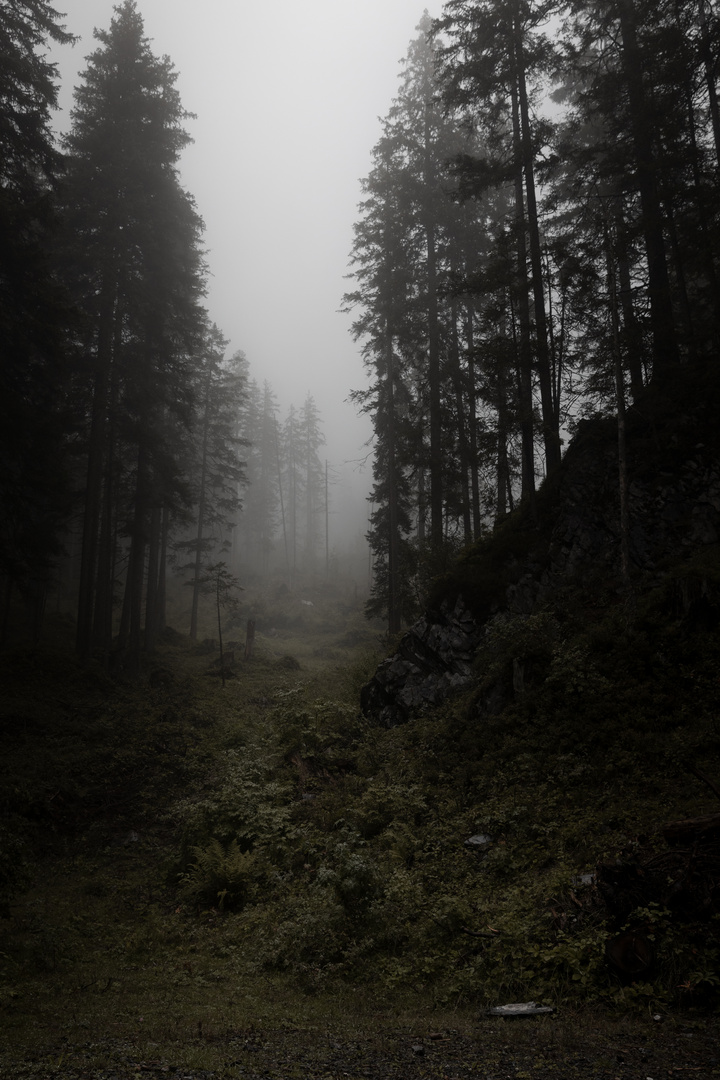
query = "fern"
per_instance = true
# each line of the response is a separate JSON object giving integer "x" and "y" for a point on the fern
{"x": 221, "y": 876}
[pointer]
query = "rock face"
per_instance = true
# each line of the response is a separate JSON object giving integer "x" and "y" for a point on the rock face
{"x": 434, "y": 660}
{"x": 674, "y": 512}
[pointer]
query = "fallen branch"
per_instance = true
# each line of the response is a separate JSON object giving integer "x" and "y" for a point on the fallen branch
{"x": 480, "y": 933}
{"x": 705, "y": 779}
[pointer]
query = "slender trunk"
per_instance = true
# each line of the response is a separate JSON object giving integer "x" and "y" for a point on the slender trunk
{"x": 202, "y": 506}
{"x": 665, "y": 350}
{"x": 294, "y": 523}
{"x": 682, "y": 289}
{"x": 105, "y": 577}
{"x": 525, "y": 397}
{"x": 709, "y": 66}
{"x": 327, "y": 525}
{"x": 551, "y": 434}
{"x": 472, "y": 421}
{"x": 632, "y": 330}
{"x": 93, "y": 489}
{"x": 219, "y": 624}
{"x": 435, "y": 397}
{"x": 309, "y": 530}
{"x": 102, "y": 615}
{"x": 151, "y": 601}
{"x": 136, "y": 563}
{"x": 282, "y": 502}
{"x": 394, "y": 607}
{"x": 461, "y": 422}
{"x": 622, "y": 440}
{"x": 162, "y": 572}
{"x": 502, "y": 468}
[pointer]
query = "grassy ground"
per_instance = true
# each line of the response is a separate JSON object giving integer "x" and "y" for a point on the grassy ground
{"x": 331, "y": 939}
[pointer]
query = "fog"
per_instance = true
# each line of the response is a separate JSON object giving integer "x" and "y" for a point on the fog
{"x": 287, "y": 99}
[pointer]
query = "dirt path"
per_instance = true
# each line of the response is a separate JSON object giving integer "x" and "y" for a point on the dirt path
{"x": 498, "y": 1050}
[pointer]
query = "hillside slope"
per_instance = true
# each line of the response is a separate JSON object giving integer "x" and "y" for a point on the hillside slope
{"x": 563, "y": 554}
{"x": 183, "y": 857}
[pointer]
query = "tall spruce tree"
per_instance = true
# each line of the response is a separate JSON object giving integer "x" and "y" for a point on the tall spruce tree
{"x": 134, "y": 260}
{"x": 34, "y": 314}
{"x": 494, "y": 58}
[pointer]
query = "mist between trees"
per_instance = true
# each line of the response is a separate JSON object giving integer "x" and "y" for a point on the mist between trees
{"x": 537, "y": 243}
{"x": 135, "y": 451}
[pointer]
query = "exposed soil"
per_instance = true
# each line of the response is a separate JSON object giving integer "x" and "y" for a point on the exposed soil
{"x": 547, "y": 1049}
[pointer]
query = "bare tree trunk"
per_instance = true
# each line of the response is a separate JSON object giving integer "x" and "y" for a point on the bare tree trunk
{"x": 710, "y": 70}
{"x": 472, "y": 421}
{"x": 461, "y": 422}
{"x": 162, "y": 572}
{"x": 202, "y": 505}
{"x": 633, "y": 332}
{"x": 524, "y": 358}
{"x": 136, "y": 564}
{"x": 151, "y": 601}
{"x": 435, "y": 397}
{"x": 620, "y": 401}
{"x": 665, "y": 350}
{"x": 394, "y": 605}
{"x": 551, "y": 434}
{"x": 93, "y": 489}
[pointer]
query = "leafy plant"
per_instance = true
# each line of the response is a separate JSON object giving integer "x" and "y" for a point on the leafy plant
{"x": 223, "y": 876}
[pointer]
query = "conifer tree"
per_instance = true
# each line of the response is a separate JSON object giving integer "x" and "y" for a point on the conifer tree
{"x": 217, "y": 471}
{"x": 134, "y": 262}
{"x": 35, "y": 317}
{"x": 493, "y": 52}
{"x": 311, "y": 439}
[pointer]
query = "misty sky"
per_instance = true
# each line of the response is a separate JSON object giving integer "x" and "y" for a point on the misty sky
{"x": 287, "y": 97}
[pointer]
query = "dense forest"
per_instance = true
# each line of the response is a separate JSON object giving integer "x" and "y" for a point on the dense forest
{"x": 307, "y": 858}
{"x": 538, "y": 242}
{"x": 133, "y": 445}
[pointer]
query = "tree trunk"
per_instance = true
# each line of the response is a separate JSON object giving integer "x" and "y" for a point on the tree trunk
{"x": 472, "y": 422}
{"x": 461, "y": 422}
{"x": 136, "y": 564}
{"x": 394, "y": 606}
{"x": 202, "y": 502}
{"x": 633, "y": 332}
{"x": 435, "y": 396}
{"x": 620, "y": 401}
{"x": 93, "y": 489}
{"x": 524, "y": 358}
{"x": 162, "y": 572}
{"x": 665, "y": 350}
{"x": 551, "y": 433}
{"x": 151, "y": 601}
{"x": 709, "y": 66}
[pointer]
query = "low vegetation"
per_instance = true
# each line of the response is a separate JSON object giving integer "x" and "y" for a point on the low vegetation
{"x": 186, "y": 866}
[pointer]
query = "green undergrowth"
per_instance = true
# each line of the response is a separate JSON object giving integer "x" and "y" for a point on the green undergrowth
{"x": 180, "y": 856}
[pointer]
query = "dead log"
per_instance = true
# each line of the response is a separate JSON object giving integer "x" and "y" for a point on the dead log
{"x": 692, "y": 830}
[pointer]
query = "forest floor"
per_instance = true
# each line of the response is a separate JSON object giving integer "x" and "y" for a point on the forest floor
{"x": 107, "y": 974}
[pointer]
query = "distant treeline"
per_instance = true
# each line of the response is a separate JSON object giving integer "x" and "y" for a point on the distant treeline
{"x": 129, "y": 441}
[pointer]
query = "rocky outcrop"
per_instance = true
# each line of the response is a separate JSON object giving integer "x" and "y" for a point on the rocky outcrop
{"x": 434, "y": 660}
{"x": 674, "y": 512}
